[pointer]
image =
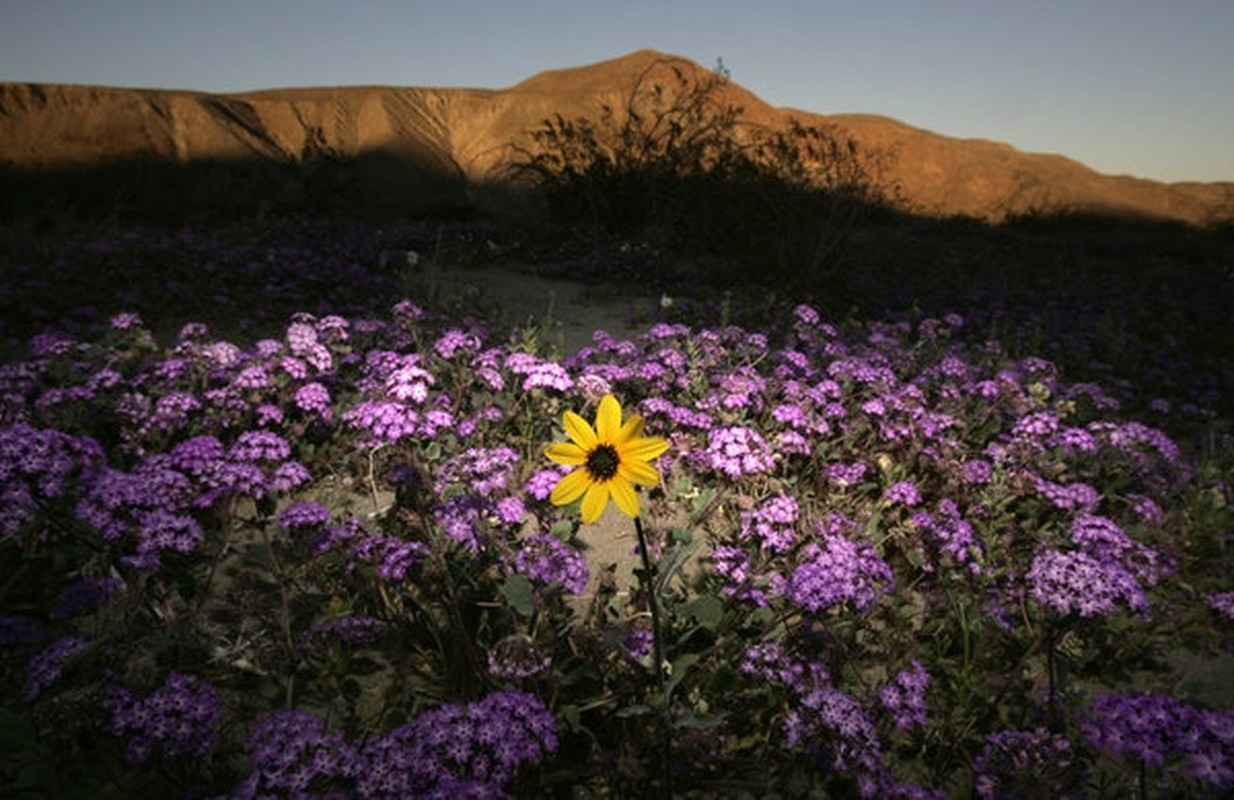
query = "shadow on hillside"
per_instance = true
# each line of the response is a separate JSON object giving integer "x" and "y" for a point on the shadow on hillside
{"x": 144, "y": 190}
{"x": 878, "y": 258}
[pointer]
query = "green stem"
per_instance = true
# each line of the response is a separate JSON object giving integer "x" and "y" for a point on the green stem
{"x": 650, "y": 585}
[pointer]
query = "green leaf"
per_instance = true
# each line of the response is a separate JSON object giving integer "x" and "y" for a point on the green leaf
{"x": 703, "y": 499}
{"x": 680, "y": 667}
{"x": 697, "y": 721}
{"x": 571, "y": 717}
{"x": 675, "y": 560}
{"x": 563, "y": 530}
{"x": 517, "y": 592}
{"x": 632, "y": 711}
{"x": 706, "y": 609}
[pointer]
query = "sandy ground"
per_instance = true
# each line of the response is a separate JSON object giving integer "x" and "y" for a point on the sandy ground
{"x": 567, "y": 313}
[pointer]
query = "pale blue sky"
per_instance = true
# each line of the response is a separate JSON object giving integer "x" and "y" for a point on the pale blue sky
{"x": 1142, "y": 87}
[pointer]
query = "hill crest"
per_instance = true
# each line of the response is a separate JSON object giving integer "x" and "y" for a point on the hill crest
{"x": 425, "y": 147}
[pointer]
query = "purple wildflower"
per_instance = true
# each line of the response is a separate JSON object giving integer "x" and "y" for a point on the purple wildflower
{"x": 46, "y": 665}
{"x": 772, "y": 523}
{"x": 737, "y": 451}
{"x": 393, "y": 557}
{"x": 638, "y": 644}
{"x": 485, "y": 741}
{"x": 904, "y": 493}
{"x": 904, "y": 696}
{"x": 1034, "y": 763}
{"x": 547, "y": 560}
{"x": 978, "y": 472}
{"x": 1077, "y": 582}
{"x": 290, "y": 750}
{"x": 846, "y": 474}
{"x": 258, "y": 446}
{"x": 1222, "y": 603}
{"x": 305, "y": 514}
{"x": 179, "y": 718}
{"x": 313, "y": 398}
{"x": 540, "y": 485}
{"x": 838, "y": 570}
{"x": 1069, "y": 496}
{"x": 1154, "y": 729}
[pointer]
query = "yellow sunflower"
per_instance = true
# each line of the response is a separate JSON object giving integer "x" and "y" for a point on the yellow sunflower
{"x": 611, "y": 457}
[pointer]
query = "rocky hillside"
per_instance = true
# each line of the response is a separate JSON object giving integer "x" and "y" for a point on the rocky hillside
{"x": 424, "y": 150}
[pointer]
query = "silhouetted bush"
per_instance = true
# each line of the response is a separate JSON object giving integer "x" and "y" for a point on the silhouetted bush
{"x": 679, "y": 164}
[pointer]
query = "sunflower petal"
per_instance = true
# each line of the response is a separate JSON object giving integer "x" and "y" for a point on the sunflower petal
{"x": 567, "y": 453}
{"x": 624, "y": 497}
{"x": 608, "y": 419}
{"x": 594, "y": 501}
{"x": 579, "y": 430}
{"x": 644, "y": 449}
{"x": 632, "y": 429}
{"x": 639, "y": 472}
{"x": 570, "y": 488}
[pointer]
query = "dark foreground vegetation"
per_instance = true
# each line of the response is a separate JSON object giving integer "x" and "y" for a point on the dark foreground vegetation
{"x": 946, "y": 509}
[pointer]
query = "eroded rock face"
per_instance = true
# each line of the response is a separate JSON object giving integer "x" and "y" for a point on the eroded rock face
{"x": 381, "y": 151}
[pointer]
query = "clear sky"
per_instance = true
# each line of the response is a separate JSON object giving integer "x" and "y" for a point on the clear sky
{"x": 1140, "y": 87}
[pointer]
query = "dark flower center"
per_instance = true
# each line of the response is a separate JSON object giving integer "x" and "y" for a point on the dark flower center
{"x": 602, "y": 462}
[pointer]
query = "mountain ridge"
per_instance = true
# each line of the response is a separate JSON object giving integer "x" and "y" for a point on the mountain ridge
{"x": 433, "y": 145}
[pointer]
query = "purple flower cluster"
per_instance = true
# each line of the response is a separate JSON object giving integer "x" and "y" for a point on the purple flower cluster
{"x": 827, "y": 722}
{"x": 772, "y": 525}
{"x": 539, "y": 374}
{"x": 950, "y": 536}
{"x": 392, "y": 557}
{"x": 291, "y": 751}
{"x": 904, "y": 696}
{"x": 735, "y": 451}
{"x": 1105, "y": 541}
{"x": 1073, "y": 581}
{"x": 314, "y": 398}
{"x": 472, "y": 486}
{"x": 455, "y": 341}
{"x": 46, "y": 666}
{"x": 1157, "y": 730}
{"x": 549, "y": 561}
{"x": 768, "y": 661}
{"x": 386, "y": 420}
{"x": 1031, "y": 763}
{"x": 1070, "y": 496}
{"x": 37, "y": 465}
{"x": 838, "y": 570}
{"x": 357, "y": 630}
{"x": 1222, "y": 603}
{"x": 904, "y": 493}
{"x": 454, "y": 750}
{"x": 846, "y": 474}
{"x": 159, "y": 499}
{"x": 178, "y": 719}
{"x": 638, "y": 644}
{"x": 303, "y": 515}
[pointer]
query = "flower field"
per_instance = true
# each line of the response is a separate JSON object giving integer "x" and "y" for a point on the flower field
{"x": 277, "y": 523}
